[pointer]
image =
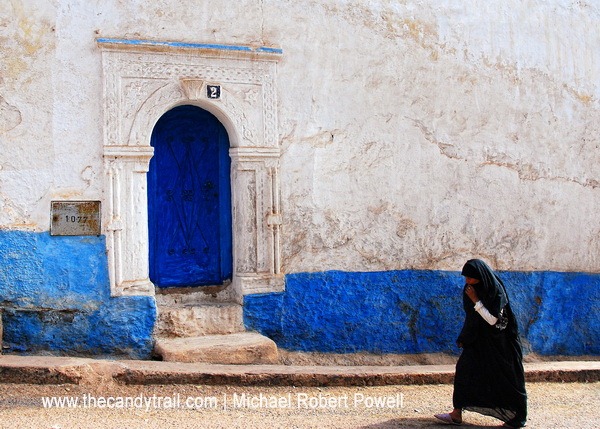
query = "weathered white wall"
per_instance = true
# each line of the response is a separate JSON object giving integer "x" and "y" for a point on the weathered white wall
{"x": 414, "y": 134}
{"x": 432, "y": 131}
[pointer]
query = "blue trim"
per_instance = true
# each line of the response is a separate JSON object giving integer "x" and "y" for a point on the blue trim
{"x": 219, "y": 47}
{"x": 270, "y": 50}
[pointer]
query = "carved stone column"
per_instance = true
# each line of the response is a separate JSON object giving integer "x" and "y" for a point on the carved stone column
{"x": 127, "y": 219}
{"x": 256, "y": 219}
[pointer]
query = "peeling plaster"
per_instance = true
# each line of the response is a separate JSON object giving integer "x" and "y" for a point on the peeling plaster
{"x": 10, "y": 116}
{"x": 413, "y": 134}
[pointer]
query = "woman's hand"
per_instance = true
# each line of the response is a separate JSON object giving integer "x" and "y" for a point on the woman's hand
{"x": 471, "y": 293}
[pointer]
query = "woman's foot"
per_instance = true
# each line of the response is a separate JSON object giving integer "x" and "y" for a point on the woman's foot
{"x": 456, "y": 415}
{"x": 448, "y": 418}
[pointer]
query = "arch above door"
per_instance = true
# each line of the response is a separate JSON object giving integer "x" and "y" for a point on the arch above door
{"x": 145, "y": 79}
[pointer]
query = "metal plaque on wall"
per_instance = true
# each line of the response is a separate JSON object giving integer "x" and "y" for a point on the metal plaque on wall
{"x": 75, "y": 218}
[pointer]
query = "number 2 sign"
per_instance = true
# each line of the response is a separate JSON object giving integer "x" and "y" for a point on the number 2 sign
{"x": 213, "y": 91}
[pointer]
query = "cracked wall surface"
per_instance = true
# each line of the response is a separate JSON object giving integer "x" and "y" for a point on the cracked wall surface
{"x": 413, "y": 134}
{"x": 457, "y": 129}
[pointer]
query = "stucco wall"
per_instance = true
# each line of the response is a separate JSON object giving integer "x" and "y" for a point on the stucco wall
{"x": 414, "y": 135}
{"x": 55, "y": 295}
{"x": 420, "y": 311}
{"x": 433, "y": 131}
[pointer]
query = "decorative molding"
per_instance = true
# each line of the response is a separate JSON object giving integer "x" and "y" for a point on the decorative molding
{"x": 261, "y": 284}
{"x": 132, "y": 45}
{"x": 192, "y": 88}
{"x": 145, "y": 79}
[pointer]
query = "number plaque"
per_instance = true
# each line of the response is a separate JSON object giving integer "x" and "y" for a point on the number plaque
{"x": 213, "y": 91}
{"x": 75, "y": 218}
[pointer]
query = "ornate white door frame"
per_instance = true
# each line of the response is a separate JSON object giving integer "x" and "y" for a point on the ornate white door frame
{"x": 145, "y": 79}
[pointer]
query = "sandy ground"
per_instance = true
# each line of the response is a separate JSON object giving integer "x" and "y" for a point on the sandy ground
{"x": 551, "y": 405}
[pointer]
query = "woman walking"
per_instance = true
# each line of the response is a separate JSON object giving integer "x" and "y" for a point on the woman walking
{"x": 489, "y": 375}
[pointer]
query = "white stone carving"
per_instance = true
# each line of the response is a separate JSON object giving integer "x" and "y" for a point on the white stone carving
{"x": 141, "y": 83}
{"x": 127, "y": 218}
{"x": 257, "y": 255}
{"x": 192, "y": 88}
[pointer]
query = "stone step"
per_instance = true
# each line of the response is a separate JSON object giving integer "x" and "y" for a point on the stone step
{"x": 198, "y": 320}
{"x": 180, "y": 297}
{"x": 242, "y": 348}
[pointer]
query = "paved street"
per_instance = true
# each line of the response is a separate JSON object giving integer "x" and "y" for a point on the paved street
{"x": 552, "y": 405}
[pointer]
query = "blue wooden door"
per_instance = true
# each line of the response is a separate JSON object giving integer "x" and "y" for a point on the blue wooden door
{"x": 189, "y": 200}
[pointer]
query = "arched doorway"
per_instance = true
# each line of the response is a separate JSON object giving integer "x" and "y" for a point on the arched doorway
{"x": 144, "y": 79}
{"x": 189, "y": 200}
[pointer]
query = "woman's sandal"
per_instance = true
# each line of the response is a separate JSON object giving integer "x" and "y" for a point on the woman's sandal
{"x": 506, "y": 425}
{"x": 447, "y": 418}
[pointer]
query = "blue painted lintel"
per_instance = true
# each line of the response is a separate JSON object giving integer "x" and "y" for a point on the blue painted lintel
{"x": 170, "y": 44}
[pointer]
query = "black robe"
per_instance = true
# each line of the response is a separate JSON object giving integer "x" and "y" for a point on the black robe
{"x": 489, "y": 375}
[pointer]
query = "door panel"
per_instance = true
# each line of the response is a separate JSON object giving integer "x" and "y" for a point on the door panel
{"x": 189, "y": 200}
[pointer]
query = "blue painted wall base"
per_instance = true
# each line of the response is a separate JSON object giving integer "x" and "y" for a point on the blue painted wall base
{"x": 55, "y": 296}
{"x": 414, "y": 311}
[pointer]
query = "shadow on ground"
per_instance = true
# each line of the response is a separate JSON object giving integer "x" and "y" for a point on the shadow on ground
{"x": 423, "y": 422}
